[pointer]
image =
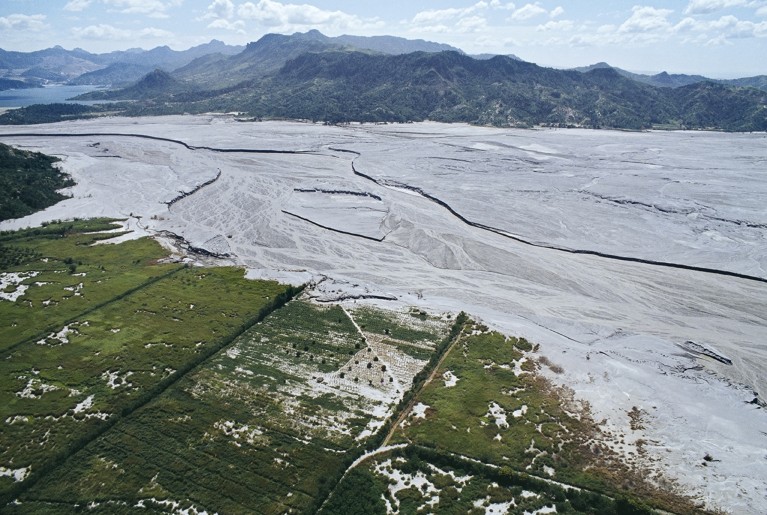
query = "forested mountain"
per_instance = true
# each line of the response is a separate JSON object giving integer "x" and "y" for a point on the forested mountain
{"x": 311, "y": 76}
{"x": 267, "y": 55}
{"x": 340, "y": 86}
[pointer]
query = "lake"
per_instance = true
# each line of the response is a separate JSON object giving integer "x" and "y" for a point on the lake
{"x": 46, "y": 95}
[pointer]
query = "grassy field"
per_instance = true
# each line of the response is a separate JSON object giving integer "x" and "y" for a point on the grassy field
{"x": 135, "y": 383}
{"x": 84, "y": 347}
{"x": 259, "y": 428}
{"x": 489, "y": 404}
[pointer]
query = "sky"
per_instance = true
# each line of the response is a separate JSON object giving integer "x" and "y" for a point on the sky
{"x": 716, "y": 38}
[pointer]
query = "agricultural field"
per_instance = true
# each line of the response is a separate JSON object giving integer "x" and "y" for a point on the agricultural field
{"x": 262, "y": 427}
{"x": 135, "y": 382}
{"x": 489, "y": 434}
{"x": 92, "y": 332}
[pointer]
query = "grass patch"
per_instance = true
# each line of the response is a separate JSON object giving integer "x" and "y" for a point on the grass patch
{"x": 501, "y": 412}
{"x": 69, "y": 382}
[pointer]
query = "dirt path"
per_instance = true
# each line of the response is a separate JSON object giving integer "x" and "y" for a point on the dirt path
{"x": 405, "y": 412}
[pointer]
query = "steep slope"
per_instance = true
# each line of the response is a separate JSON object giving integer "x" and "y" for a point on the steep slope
{"x": 452, "y": 87}
{"x": 267, "y": 55}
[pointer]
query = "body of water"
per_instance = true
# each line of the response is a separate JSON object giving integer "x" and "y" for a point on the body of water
{"x": 47, "y": 95}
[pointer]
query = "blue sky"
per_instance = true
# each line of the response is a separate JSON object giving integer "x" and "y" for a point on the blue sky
{"x": 717, "y": 38}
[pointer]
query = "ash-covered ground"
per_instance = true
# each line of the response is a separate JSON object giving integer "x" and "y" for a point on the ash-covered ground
{"x": 453, "y": 217}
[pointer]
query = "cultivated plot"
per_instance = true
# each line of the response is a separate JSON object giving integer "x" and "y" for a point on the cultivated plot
{"x": 97, "y": 345}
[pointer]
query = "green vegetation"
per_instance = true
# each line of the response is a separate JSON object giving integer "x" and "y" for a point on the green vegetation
{"x": 302, "y": 77}
{"x": 105, "y": 340}
{"x": 500, "y": 412}
{"x": 48, "y": 113}
{"x": 28, "y": 182}
{"x": 131, "y": 381}
{"x": 271, "y": 407}
{"x": 416, "y": 477}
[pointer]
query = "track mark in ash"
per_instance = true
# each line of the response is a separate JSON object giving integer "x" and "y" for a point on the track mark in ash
{"x": 157, "y": 138}
{"x": 333, "y": 229}
{"x": 505, "y": 234}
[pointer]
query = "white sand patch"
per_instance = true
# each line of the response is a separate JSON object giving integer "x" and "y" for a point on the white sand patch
{"x": 498, "y": 414}
{"x": 460, "y": 480}
{"x": 8, "y": 279}
{"x": 62, "y": 337}
{"x": 498, "y": 508}
{"x": 115, "y": 380}
{"x": 240, "y": 432}
{"x": 450, "y": 379}
{"x": 543, "y": 511}
{"x": 549, "y": 471}
{"x": 35, "y": 389}
{"x": 518, "y": 366}
{"x": 174, "y": 507}
{"x": 401, "y": 481}
{"x": 18, "y": 475}
{"x": 17, "y": 419}
{"x": 233, "y": 352}
{"x": 86, "y": 404}
{"x": 76, "y": 289}
{"x": 419, "y": 410}
{"x": 519, "y": 412}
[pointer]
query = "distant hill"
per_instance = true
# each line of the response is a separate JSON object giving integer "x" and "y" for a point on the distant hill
{"x": 115, "y": 75}
{"x": 59, "y": 65}
{"x": 16, "y": 84}
{"x": 272, "y": 51}
{"x": 392, "y": 45}
{"x": 157, "y": 83}
{"x": 667, "y": 80}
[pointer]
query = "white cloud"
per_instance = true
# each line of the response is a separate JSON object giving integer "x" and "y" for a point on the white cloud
{"x": 235, "y": 26}
{"x": 23, "y": 22}
{"x": 220, "y": 9}
{"x": 471, "y": 24}
{"x": 276, "y": 14}
{"x": 434, "y": 15}
{"x": 77, "y": 5}
{"x": 151, "y": 8}
{"x": 560, "y": 26}
{"x": 101, "y": 31}
{"x": 557, "y": 11}
{"x": 105, "y": 31}
{"x": 282, "y": 17}
{"x": 647, "y": 20}
{"x": 709, "y": 6}
{"x": 762, "y": 11}
{"x": 528, "y": 11}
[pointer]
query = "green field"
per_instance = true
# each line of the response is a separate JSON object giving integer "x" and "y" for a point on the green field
{"x": 90, "y": 333}
{"x": 489, "y": 410}
{"x": 131, "y": 382}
